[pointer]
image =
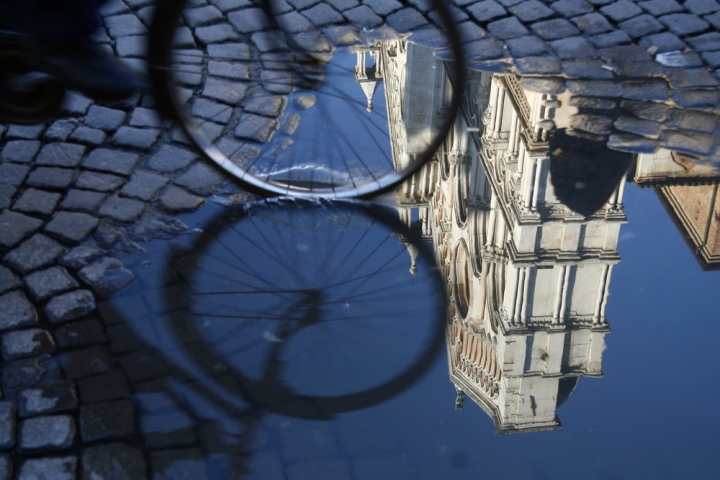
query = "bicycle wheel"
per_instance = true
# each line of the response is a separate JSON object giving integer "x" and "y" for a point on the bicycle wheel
{"x": 288, "y": 108}
{"x": 312, "y": 307}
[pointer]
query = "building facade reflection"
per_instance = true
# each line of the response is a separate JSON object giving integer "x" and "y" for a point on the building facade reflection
{"x": 528, "y": 277}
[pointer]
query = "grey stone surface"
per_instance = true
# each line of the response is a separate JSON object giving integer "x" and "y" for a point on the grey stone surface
{"x": 37, "y": 201}
{"x": 6, "y": 467}
{"x": 88, "y": 136}
{"x": 102, "y": 182}
{"x": 8, "y": 424}
{"x": 46, "y": 283}
{"x": 121, "y": 209}
{"x": 82, "y": 200}
{"x": 52, "y": 432}
{"x": 36, "y": 252}
{"x": 58, "y": 396}
{"x": 60, "y": 155}
{"x": 693, "y": 143}
{"x": 80, "y": 334}
{"x": 223, "y": 90}
{"x": 266, "y": 105}
{"x": 7, "y": 193}
{"x": 631, "y": 143}
{"x": 17, "y": 311}
{"x": 114, "y": 460}
{"x": 69, "y": 306}
{"x": 106, "y": 276}
{"x": 26, "y": 343}
{"x": 30, "y": 372}
{"x": 22, "y": 151}
{"x": 256, "y": 128}
{"x": 170, "y": 159}
{"x": 113, "y": 161}
{"x": 8, "y": 280}
{"x": 178, "y": 200}
{"x": 30, "y": 132}
{"x": 50, "y": 177}
{"x": 72, "y": 226}
{"x": 14, "y": 227}
{"x": 144, "y": 185}
{"x": 107, "y": 420}
{"x": 81, "y": 255}
{"x": 50, "y": 468}
{"x": 103, "y": 118}
{"x": 201, "y": 179}
{"x": 178, "y": 464}
{"x": 139, "y": 138}
{"x": 12, "y": 174}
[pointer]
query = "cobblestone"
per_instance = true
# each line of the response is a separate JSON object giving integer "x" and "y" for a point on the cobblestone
{"x": 37, "y": 201}
{"x": 12, "y": 174}
{"x": 55, "y": 468}
{"x": 26, "y": 343}
{"x": 8, "y": 425}
{"x": 17, "y": 311}
{"x": 8, "y": 280}
{"x": 104, "y": 387}
{"x": 36, "y": 252}
{"x": 48, "y": 177}
{"x": 14, "y": 227}
{"x": 30, "y": 372}
{"x": 107, "y": 421}
{"x": 113, "y": 161}
{"x": 53, "y": 432}
{"x": 178, "y": 200}
{"x": 114, "y": 460}
{"x": 122, "y": 209}
{"x": 85, "y": 363}
{"x": 54, "y": 397}
{"x": 80, "y": 334}
{"x": 171, "y": 159}
{"x": 72, "y": 226}
{"x": 22, "y": 151}
{"x": 46, "y": 283}
{"x": 60, "y": 155}
{"x": 70, "y": 306}
{"x": 81, "y": 255}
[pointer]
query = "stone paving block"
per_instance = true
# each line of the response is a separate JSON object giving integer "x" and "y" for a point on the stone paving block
{"x": 554, "y": 29}
{"x": 486, "y": 10}
{"x": 530, "y": 11}
{"x": 178, "y": 200}
{"x": 7, "y": 193}
{"x": 55, "y": 468}
{"x": 266, "y": 105}
{"x": 143, "y": 365}
{"x": 104, "y": 387}
{"x": 69, "y": 306}
{"x": 256, "y": 128}
{"x": 89, "y": 136}
{"x": 526, "y": 46}
{"x": 541, "y": 65}
{"x": 641, "y": 25}
{"x": 21, "y": 151}
{"x": 113, "y": 7}
{"x": 123, "y": 25}
{"x": 123, "y": 338}
{"x": 75, "y": 103}
{"x": 621, "y": 10}
{"x": 549, "y": 85}
{"x": 646, "y": 128}
{"x": 228, "y": 5}
{"x": 113, "y": 161}
{"x": 712, "y": 59}
{"x": 26, "y": 343}
{"x": 8, "y": 424}
{"x": 593, "y": 88}
{"x": 145, "y": 117}
{"x": 106, "y": 276}
{"x": 684, "y": 23}
{"x": 571, "y": 8}
{"x": 81, "y": 255}
{"x": 592, "y": 23}
{"x": 596, "y": 124}
{"x": 507, "y": 28}
{"x": 691, "y": 120}
{"x": 114, "y": 460}
{"x": 693, "y": 143}
{"x": 660, "y": 7}
{"x": 700, "y": 99}
{"x": 631, "y": 143}
{"x": 170, "y": 159}
{"x": 363, "y": 16}
{"x": 80, "y": 334}
{"x": 37, "y": 201}
{"x": 50, "y": 177}
{"x": 586, "y": 69}
{"x": 201, "y": 179}
{"x": 12, "y": 174}
{"x": 216, "y": 34}
{"x": 573, "y": 48}
{"x": 30, "y": 372}
{"x": 178, "y": 464}
{"x": 46, "y": 283}
{"x": 225, "y": 91}
{"x": 277, "y": 81}
{"x": 144, "y": 185}
{"x": 36, "y": 252}
{"x": 230, "y": 70}
{"x": 82, "y": 200}
{"x": 29, "y": 132}
{"x": 645, "y": 90}
{"x": 72, "y": 226}
{"x": 610, "y": 39}
{"x": 140, "y": 138}
{"x": 102, "y": 182}
{"x": 691, "y": 78}
{"x": 646, "y": 110}
{"x": 61, "y": 129}
{"x": 405, "y": 20}
{"x": 639, "y": 70}
{"x": 249, "y": 20}
{"x": 52, "y": 432}
{"x": 294, "y": 22}
{"x": 662, "y": 43}
{"x": 103, "y": 118}
{"x": 15, "y": 226}
{"x": 122, "y": 209}
{"x": 107, "y": 420}
{"x": 58, "y": 396}
{"x": 107, "y": 234}
{"x": 205, "y": 15}
{"x": 85, "y": 363}
{"x": 8, "y": 280}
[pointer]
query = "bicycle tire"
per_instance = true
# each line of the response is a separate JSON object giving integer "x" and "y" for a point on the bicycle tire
{"x": 224, "y": 292}
{"x": 187, "y": 69}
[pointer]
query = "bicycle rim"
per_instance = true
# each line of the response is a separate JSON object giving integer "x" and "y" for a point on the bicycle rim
{"x": 290, "y": 109}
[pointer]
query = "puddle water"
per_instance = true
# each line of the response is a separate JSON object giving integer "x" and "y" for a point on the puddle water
{"x": 301, "y": 339}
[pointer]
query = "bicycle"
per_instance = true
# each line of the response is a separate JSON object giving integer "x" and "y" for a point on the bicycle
{"x": 227, "y": 80}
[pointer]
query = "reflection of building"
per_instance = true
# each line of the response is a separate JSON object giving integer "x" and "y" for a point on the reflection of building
{"x": 688, "y": 191}
{"x": 528, "y": 277}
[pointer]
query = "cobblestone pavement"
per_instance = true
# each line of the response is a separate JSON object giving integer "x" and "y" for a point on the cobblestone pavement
{"x": 106, "y": 177}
